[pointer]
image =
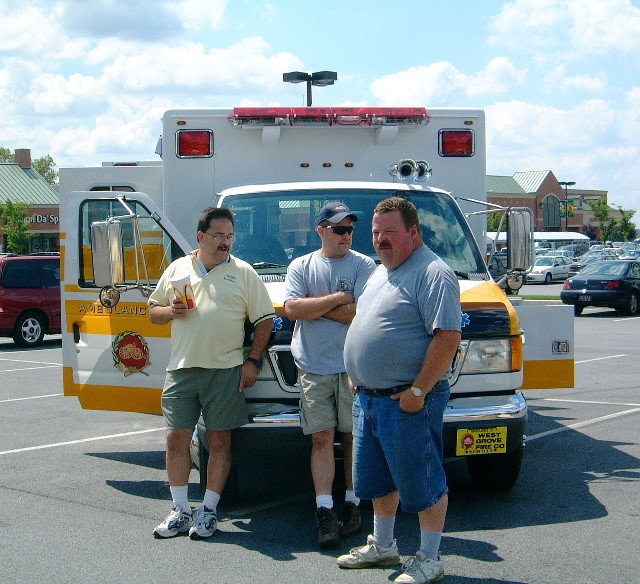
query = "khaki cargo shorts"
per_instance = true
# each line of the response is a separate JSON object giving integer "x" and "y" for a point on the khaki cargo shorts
{"x": 325, "y": 402}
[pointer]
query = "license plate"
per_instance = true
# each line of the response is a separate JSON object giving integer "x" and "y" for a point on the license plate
{"x": 481, "y": 441}
{"x": 584, "y": 298}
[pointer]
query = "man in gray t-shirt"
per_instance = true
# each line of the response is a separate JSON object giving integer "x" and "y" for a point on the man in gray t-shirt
{"x": 321, "y": 293}
{"x": 398, "y": 351}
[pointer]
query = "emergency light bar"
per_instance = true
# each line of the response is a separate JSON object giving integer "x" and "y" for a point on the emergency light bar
{"x": 258, "y": 117}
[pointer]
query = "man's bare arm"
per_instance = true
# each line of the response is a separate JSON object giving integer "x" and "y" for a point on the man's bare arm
{"x": 315, "y": 307}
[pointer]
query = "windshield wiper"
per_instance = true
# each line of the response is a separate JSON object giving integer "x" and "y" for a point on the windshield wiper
{"x": 267, "y": 265}
{"x": 461, "y": 275}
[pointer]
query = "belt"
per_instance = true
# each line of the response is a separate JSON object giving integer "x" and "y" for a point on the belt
{"x": 375, "y": 392}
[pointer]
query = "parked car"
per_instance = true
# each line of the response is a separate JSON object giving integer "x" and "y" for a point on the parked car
{"x": 591, "y": 257}
{"x": 609, "y": 283}
{"x": 574, "y": 249}
{"x": 561, "y": 253}
{"x": 632, "y": 254}
{"x": 29, "y": 297}
{"x": 549, "y": 268}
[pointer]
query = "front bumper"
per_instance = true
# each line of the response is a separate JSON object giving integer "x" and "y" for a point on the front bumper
{"x": 478, "y": 412}
{"x": 508, "y": 410}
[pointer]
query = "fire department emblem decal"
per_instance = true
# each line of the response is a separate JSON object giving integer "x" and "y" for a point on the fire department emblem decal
{"x": 130, "y": 353}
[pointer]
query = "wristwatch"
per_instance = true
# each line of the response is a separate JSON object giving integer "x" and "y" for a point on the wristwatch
{"x": 256, "y": 362}
{"x": 416, "y": 391}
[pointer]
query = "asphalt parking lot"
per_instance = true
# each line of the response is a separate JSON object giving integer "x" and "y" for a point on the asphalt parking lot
{"x": 82, "y": 490}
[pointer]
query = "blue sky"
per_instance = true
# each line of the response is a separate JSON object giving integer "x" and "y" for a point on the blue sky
{"x": 559, "y": 79}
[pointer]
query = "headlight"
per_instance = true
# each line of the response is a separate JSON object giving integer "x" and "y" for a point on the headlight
{"x": 490, "y": 356}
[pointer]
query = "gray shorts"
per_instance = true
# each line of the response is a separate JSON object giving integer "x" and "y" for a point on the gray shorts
{"x": 325, "y": 402}
{"x": 214, "y": 392}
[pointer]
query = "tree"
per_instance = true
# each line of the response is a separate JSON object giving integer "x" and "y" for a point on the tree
{"x": 600, "y": 210}
{"x": 627, "y": 228}
{"x": 6, "y": 155}
{"x": 44, "y": 166}
{"x": 493, "y": 221}
{"x": 14, "y": 216}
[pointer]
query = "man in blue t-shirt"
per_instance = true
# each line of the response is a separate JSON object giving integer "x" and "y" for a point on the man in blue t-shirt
{"x": 321, "y": 293}
{"x": 398, "y": 351}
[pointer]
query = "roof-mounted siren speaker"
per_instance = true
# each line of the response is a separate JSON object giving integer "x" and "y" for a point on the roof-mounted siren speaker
{"x": 409, "y": 171}
{"x": 424, "y": 171}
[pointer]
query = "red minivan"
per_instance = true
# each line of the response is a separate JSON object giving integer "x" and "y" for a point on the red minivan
{"x": 29, "y": 297}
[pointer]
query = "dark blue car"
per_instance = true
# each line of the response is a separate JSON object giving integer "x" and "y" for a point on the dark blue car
{"x": 609, "y": 283}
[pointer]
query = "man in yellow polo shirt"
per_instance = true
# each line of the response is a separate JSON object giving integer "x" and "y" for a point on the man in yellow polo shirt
{"x": 207, "y": 371}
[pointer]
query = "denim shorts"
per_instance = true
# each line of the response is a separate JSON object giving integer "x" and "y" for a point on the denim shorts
{"x": 326, "y": 402}
{"x": 214, "y": 392}
{"x": 394, "y": 450}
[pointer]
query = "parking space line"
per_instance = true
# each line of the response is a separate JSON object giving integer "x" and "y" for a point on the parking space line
{"x": 15, "y": 399}
{"x": 601, "y": 358}
{"x": 584, "y": 401}
{"x": 29, "y": 368}
{"x": 579, "y": 424}
{"x": 80, "y": 441}
{"x": 38, "y": 362}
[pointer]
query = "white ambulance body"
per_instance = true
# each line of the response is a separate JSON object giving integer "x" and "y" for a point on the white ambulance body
{"x": 275, "y": 168}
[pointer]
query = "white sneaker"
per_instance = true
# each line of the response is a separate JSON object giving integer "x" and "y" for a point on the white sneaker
{"x": 370, "y": 554}
{"x": 205, "y": 523}
{"x": 177, "y": 522}
{"x": 421, "y": 570}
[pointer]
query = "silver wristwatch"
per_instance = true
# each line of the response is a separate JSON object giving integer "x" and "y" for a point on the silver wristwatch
{"x": 416, "y": 391}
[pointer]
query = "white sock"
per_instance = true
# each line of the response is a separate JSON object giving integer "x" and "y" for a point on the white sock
{"x": 180, "y": 496}
{"x": 350, "y": 497}
{"x": 324, "y": 501}
{"x": 383, "y": 530}
{"x": 211, "y": 499}
{"x": 430, "y": 543}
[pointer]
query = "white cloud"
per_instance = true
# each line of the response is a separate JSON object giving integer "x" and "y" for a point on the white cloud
{"x": 199, "y": 14}
{"x": 560, "y": 80}
{"x": 442, "y": 83}
{"x": 576, "y": 28}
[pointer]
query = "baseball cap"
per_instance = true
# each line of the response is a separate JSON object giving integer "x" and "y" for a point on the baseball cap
{"x": 334, "y": 212}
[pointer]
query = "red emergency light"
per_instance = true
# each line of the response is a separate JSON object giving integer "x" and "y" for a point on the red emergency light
{"x": 398, "y": 115}
{"x": 260, "y": 116}
{"x": 456, "y": 143}
{"x": 320, "y": 116}
{"x": 194, "y": 143}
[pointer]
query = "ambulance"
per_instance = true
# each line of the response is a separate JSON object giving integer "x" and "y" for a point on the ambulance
{"x": 275, "y": 168}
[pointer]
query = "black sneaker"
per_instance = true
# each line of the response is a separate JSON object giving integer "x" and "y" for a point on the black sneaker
{"x": 350, "y": 520}
{"x": 328, "y": 528}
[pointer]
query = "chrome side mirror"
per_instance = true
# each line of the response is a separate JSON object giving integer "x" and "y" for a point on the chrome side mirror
{"x": 107, "y": 253}
{"x": 519, "y": 241}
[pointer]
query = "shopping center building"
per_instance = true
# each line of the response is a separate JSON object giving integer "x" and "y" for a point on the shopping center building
{"x": 19, "y": 183}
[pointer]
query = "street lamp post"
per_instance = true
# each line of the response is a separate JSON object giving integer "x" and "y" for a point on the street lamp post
{"x": 319, "y": 79}
{"x": 566, "y": 202}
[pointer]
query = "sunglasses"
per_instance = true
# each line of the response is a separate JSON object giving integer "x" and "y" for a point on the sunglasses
{"x": 341, "y": 229}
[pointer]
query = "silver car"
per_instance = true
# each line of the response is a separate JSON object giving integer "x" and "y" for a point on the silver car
{"x": 549, "y": 268}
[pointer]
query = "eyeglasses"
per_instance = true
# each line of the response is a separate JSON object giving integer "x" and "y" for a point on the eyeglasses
{"x": 221, "y": 236}
{"x": 341, "y": 229}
